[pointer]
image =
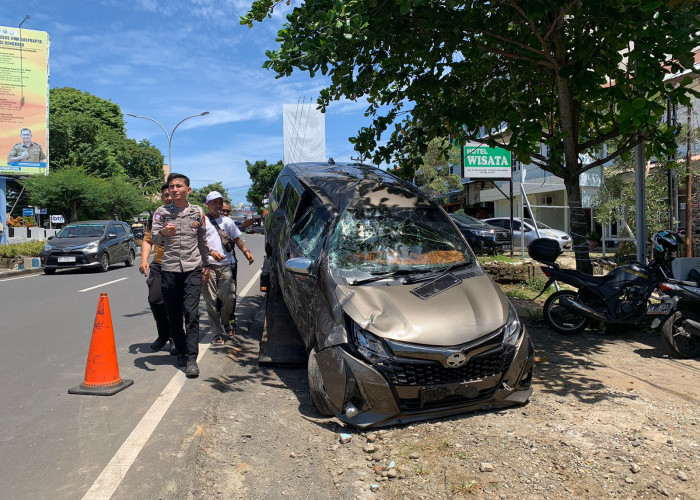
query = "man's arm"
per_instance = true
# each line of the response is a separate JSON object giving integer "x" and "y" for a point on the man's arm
{"x": 157, "y": 225}
{"x": 17, "y": 155}
{"x": 145, "y": 252}
{"x": 241, "y": 246}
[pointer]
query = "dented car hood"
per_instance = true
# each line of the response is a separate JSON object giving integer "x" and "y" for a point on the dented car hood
{"x": 454, "y": 316}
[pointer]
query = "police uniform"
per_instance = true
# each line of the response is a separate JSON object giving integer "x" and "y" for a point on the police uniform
{"x": 155, "y": 295}
{"x": 184, "y": 254}
{"x": 36, "y": 154}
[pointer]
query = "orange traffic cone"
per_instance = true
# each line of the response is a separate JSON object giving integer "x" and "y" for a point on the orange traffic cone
{"x": 102, "y": 370}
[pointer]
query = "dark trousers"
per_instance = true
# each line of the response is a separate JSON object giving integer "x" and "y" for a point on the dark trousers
{"x": 155, "y": 300}
{"x": 181, "y": 293}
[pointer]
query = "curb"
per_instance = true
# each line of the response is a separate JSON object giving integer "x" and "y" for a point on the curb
{"x": 5, "y": 273}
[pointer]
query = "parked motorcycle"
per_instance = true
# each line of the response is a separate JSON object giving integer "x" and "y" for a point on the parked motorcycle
{"x": 620, "y": 297}
{"x": 678, "y": 311}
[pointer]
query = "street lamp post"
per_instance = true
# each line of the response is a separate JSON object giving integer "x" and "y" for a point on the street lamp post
{"x": 170, "y": 135}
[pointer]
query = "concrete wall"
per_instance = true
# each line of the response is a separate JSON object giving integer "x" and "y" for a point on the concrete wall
{"x": 22, "y": 234}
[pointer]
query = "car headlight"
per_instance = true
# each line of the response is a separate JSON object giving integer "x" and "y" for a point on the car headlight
{"x": 91, "y": 247}
{"x": 47, "y": 247}
{"x": 512, "y": 328}
{"x": 371, "y": 347}
{"x": 549, "y": 234}
{"x": 485, "y": 233}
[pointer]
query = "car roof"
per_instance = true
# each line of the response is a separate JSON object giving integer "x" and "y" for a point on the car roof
{"x": 94, "y": 222}
{"x": 343, "y": 184}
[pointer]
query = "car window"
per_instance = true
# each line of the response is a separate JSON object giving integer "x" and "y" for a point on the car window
{"x": 120, "y": 230}
{"x": 82, "y": 231}
{"x": 308, "y": 227}
{"x": 381, "y": 239}
{"x": 277, "y": 192}
{"x": 291, "y": 201}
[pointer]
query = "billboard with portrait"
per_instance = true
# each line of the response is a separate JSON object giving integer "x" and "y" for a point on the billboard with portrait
{"x": 24, "y": 88}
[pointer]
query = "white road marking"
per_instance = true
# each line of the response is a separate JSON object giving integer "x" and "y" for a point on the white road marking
{"x": 20, "y": 277}
{"x": 103, "y": 284}
{"x": 114, "y": 472}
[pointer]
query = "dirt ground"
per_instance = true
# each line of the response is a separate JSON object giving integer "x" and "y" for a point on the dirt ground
{"x": 611, "y": 416}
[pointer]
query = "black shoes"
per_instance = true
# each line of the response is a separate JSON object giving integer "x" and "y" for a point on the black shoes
{"x": 158, "y": 344}
{"x": 173, "y": 349}
{"x": 192, "y": 370}
{"x": 181, "y": 359}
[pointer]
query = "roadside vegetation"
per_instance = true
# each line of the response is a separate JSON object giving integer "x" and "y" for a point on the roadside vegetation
{"x": 26, "y": 249}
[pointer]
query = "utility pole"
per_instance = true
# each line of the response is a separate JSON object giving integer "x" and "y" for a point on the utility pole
{"x": 688, "y": 195}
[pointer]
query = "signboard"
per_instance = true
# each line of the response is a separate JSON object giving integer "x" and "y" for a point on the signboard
{"x": 483, "y": 162}
{"x": 57, "y": 219}
{"x": 24, "y": 87}
{"x": 43, "y": 211}
{"x": 27, "y": 212}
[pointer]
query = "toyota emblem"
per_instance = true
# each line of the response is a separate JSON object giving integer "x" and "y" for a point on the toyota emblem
{"x": 456, "y": 360}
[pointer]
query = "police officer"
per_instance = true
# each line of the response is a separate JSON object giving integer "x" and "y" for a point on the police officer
{"x": 153, "y": 273}
{"x": 180, "y": 226}
{"x": 26, "y": 151}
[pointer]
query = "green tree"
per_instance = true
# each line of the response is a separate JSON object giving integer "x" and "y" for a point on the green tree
{"x": 199, "y": 196}
{"x": 88, "y": 131}
{"x": 568, "y": 74}
{"x": 263, "y": 175}
{"x": 121, "y": 199}
{"x": 434, "y": 176}
{"x": 70, "y": 192}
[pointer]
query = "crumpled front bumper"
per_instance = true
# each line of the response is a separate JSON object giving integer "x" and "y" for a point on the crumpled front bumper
{"x": 351, "y": 382}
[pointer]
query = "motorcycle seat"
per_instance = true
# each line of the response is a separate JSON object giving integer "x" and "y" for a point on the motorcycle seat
{"x": 588, "y": 278}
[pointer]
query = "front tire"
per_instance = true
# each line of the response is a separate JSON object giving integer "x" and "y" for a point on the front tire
{"x": 677, "y": 342}
{"x": 104, "y": 262}
{"x": 318, "y": 394}
{"x": 130, "y": 259}
{"x": 559, "y": 318}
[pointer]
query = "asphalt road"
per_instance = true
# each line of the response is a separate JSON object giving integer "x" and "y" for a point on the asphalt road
{"x": 56, "y": 445}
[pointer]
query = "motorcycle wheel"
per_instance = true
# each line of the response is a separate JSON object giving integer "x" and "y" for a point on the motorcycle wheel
{"x": 678, "y": 342}
{"x": 559, "y": 318}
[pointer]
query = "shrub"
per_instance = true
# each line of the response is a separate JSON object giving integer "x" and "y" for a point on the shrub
{"x": 26, "y": 249}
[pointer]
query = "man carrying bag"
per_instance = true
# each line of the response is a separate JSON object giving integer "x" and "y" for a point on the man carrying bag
{"x": 222, "y": 234}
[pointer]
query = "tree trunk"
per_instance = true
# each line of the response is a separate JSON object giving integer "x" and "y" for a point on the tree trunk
{"x": 73, "y": 211}
{"x": 579, "y": 226}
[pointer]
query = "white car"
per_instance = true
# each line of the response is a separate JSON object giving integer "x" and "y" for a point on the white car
{"x": 562, "y": 237}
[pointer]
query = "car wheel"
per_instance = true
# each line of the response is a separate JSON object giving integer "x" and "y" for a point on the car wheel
{"x": 104, "y": 262}
{"x": 130, "y": 259}
{"x": 318, "y": 394}
{"x": 559, "y": 318}
{"x": 49, "y": 271}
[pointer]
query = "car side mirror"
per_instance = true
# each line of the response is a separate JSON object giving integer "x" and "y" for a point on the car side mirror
{"x": 111, "y": 236}
{"x": 50, "y": 237}
{"x": 299, "y": 265}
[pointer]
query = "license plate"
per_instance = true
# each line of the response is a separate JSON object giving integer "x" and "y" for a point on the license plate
{"x": 66, "y": 259}
{"x": 660, "y": 308}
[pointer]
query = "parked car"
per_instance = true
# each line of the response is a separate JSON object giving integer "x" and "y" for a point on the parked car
{"x": 562, "y": 237}
{"x": 398, "y": 318}
{"x": 482, "y": 237}
{"x": 97, "y": 243}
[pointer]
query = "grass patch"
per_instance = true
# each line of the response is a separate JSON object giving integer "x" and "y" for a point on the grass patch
{"x": 464, "y": 487}
{"x": 499, "y": 257}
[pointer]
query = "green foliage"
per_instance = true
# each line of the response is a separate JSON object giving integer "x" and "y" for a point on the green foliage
{"x": 199, "y": 196}
{"x": 617, "y": 199}
{"x": 263, "y": 176}
{"x": 537, "y": 71}
{"x": 77, "y": 195}
{"x": 25, "y": 249}
{"x": 434, "y": 177}
{"x": 88, "y": 131}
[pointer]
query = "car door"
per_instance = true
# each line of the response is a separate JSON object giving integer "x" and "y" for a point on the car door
{"x": 306, "y": 241}
{"x": 122, "y": 242}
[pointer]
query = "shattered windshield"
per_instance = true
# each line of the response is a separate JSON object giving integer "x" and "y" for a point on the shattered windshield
{"x": 373, "y": 240}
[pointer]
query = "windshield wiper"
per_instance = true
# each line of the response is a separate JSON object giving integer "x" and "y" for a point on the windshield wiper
{"x": 387, "y": 274}
{"x": 441, "y": 272}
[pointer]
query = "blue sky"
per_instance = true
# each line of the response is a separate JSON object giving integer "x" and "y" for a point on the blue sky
{"x": 168, "y": 59}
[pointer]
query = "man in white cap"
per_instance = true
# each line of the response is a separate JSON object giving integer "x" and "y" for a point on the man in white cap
{"x": 222, "y": 235}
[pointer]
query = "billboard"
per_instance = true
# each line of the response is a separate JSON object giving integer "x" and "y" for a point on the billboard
{"x": 24, "y": 87}
{"x": 483, "y": 162}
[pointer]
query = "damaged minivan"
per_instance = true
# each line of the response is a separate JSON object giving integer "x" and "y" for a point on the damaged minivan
{"x": 399, "y": 321}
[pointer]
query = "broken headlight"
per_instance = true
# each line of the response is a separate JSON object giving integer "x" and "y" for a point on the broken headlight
{"x": 371, "y": 347}
{"x": 512, "y": 328}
